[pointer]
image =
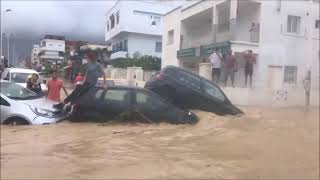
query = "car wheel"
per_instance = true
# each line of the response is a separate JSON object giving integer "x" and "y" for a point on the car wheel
{"x": 16, "y": 121}
{"x": 190, "y": 118}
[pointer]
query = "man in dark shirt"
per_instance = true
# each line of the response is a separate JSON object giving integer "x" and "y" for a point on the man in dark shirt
{"x": 93, "y": 72}
{"x": 230, "y": 67}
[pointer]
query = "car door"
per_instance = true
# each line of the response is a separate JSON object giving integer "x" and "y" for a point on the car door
{"x": 189, "y": 94}
{"x": 90, "y": 104}
{"x": 213, "y": 98}
{"x": 4, "y": 109}
{"x": 115, "y": 102}
{"x": 153, "y": 108}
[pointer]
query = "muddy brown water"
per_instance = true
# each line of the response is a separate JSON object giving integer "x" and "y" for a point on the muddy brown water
{"x": 266, "y": 143}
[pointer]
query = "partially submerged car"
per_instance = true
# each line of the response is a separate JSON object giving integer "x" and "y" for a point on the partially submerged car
{"x": 188, "y": 90}
{"x": 20, "y": 76}
{"x": 21, "y": 106}
{"x": 109, "y": 104}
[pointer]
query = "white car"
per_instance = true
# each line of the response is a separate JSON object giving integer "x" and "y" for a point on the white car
{"x": 19, "y": 76}
{"x": 21, "y": 106}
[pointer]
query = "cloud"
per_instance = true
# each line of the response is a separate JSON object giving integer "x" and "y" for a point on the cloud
{"x": 30, "y": 20}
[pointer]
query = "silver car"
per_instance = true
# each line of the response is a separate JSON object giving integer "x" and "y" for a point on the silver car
{"x": 21, "y": 106}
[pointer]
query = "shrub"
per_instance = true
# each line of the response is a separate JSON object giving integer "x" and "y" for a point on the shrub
{"x": 137, "y": 60}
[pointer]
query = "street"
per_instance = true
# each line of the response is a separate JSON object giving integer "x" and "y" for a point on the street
{"x": 266, "y": 143}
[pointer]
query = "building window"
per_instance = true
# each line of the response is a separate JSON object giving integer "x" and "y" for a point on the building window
{"x": 120, "y": 46}
{"x": 170, "y": 37}
{"x": 118, "y": 17}
{"x": 112, "y": 21}
{"x": 43, "y": 43}
{"x": 317, "y": 24}
{"x": 158, "y": 47}
{"x": 108, "y": 27}
{"x": 125, "y": 45}
{"x": 290, "y": 74}
{"x": 293, "y": 24}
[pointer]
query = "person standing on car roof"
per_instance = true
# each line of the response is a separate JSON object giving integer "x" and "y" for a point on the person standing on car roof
{"x": 54, "y": 87}
{"x": 215, "y": 59}
{"x": 93, "y": 72}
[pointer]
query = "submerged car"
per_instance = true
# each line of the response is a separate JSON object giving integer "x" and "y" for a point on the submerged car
{"x": 109, "y": 104}
{"x": 21, "y": 106}
{"x": 20, "y": 76}
{"x": 188, "y": 90}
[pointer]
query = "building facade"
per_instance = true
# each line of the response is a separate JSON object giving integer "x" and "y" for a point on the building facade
{"x": 136, "y": 26}
{"x": 52, "y": 49}
{"x": 284, "y": 35}
{"x": 34, "y": 55}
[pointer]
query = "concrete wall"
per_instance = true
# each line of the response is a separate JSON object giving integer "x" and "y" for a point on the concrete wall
{"x": 137, "y": 22}
{"x": 169, "y": 51}
{"x": 53, "y": 45}
{"x": 144, "y": 44}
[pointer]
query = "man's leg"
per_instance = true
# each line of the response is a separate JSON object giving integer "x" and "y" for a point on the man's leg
{"x": 246, "y": 77}
{"x": 77, "y": 92}
{"x": 226, "y": 77}
{"x": 218, "y": 75}
{"x": 250, "y": 76}
{"x": 232, "y": 77}
{"x": 212, "y": 74}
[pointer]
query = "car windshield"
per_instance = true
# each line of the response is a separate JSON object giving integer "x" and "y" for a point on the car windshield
{"x": 19, "y": 77}
{"x": 17, "y": 92}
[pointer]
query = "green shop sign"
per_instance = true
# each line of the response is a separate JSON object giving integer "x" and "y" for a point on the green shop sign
{"x": 208, "y": 49}
{"x": 191, "y": 52}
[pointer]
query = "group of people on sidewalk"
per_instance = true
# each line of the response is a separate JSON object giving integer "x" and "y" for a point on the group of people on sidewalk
{"x": 227, "y": 65}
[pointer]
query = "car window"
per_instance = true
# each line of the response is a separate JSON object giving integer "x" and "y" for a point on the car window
{"x": 98, "y": 94}
{"x": 211, "y": 90}
{"x": 117, "y": 96}
{"x": 7, "y": 76}
{"x": 3, "y": 102}
{"x": 189, "y": 79}
{"x": 19, "y": 77}
{"x": 150, "y": 102}
{"x": 15, "y": 91}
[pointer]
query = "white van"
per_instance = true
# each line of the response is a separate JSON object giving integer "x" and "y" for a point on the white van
{"x": 20, "y": 76}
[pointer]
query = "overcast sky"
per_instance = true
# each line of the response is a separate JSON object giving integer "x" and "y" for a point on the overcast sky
{"x": 74, "y": 19}
{"x": 29, "y": 21}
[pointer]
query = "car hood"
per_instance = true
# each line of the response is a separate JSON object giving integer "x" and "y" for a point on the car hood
{"x": 42, "y": 103}
{"x": 43, "y": 86}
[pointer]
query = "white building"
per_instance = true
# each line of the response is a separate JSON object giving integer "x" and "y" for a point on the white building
{"x": 136, "y": 26}
{"x": 286, "y": 40}
{"x": 52, "y": 49}
{"x": 34, "y": 54}
{"x": 95, "y": 46}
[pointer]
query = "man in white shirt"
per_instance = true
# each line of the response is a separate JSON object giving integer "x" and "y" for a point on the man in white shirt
{"x": 215, "y": 59}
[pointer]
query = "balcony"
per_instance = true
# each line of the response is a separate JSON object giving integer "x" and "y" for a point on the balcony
{"x": 244, "y": 29}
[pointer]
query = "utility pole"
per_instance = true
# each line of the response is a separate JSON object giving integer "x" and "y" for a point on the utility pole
{"x": 13, "y": 57}
{"x": 2, "y": 27}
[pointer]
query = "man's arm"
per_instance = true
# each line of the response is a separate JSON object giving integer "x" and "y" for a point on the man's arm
{"x": 65, "y": 90}
{"x": 104, "y": 78}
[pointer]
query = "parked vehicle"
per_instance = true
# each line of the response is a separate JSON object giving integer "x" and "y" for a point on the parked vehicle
{"x": 110, "y": 82}
{"x": 104, "y": 105}
{"x": 188, "y": 90}
{"x": 21, "y": 106}
{"x": 20, "y": 76}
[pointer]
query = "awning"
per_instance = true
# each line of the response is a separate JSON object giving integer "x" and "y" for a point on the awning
{"x": 67, "y": 67}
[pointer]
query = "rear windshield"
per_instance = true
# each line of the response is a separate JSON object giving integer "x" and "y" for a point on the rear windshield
{"x": 19, "y": 77}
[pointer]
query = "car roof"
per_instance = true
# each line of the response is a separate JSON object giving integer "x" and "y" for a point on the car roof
{"x": 21, "y": 70}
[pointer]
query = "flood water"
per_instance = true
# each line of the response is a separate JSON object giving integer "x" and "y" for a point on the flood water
{"x": 266, "y": 143}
